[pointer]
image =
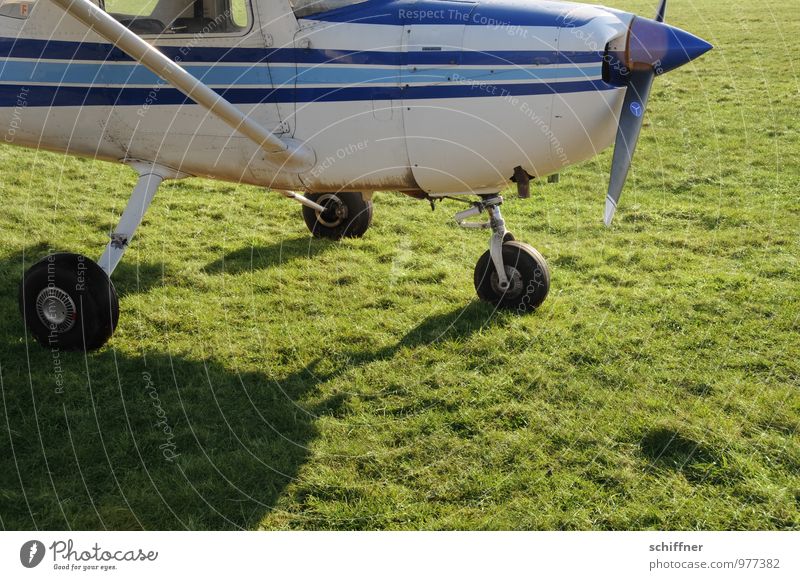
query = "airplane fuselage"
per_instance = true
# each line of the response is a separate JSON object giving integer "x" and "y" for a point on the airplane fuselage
{"x": 436, "y": 97}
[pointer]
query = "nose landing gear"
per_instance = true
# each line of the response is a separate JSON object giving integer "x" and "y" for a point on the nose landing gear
{"x": 511, "y": 275}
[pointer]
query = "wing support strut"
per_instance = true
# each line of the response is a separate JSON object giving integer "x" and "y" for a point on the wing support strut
{"x": 289, "y": 155}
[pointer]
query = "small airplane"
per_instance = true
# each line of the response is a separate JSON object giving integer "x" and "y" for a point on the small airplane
{"x": 326, "y": 102}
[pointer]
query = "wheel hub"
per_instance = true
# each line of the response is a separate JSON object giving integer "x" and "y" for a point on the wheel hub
{"x": 335, "y": 211}
{"x": 56, "y": 309}
{"x": 515, "y": 285}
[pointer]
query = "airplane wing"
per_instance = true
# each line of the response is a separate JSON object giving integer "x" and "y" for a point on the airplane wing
{"x": 288, "y": 154}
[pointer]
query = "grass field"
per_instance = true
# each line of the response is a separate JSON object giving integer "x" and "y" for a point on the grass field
{"x": 359, "y": 385}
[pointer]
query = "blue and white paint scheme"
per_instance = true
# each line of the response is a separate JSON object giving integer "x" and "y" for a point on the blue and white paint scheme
{"x": 450, "y": 96}
{"x": 432, "y": 98}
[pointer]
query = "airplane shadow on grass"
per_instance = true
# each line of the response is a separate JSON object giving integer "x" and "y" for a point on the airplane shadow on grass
{"x": 117, "y": 441}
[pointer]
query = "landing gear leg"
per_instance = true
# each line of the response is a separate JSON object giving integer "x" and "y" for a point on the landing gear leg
{"x": 511, "y": 275}
{"x": 67, "y": 300}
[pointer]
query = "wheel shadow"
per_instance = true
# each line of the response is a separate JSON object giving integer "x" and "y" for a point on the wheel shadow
{"x": 157, "y": 441}
{"x": 455, "y": 325}
{"x": 252, "y": 258}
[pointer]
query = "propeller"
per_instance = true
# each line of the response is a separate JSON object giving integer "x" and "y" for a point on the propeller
{"x": 651, "y": 49}
{"x": 662, "y": 11}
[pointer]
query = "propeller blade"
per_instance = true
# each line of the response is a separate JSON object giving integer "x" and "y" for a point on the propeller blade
{"x": 630, "y": 125}
{"x": 652, "y": 49}
{"x": 662, "y": 11}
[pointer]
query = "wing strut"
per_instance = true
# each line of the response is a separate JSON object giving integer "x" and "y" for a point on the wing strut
{"x": 290, "y": 155}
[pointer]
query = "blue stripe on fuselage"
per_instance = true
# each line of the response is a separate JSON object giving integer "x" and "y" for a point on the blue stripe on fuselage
{"x": 65, "y": 50}
{"x": 65, "y": 96}
{"x": 455, "y": 13}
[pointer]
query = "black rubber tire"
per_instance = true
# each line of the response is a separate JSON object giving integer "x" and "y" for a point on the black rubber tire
{"x": 96, "y": 306}
{"x": 354, "y": 223}
{"x": 533, "y": 283}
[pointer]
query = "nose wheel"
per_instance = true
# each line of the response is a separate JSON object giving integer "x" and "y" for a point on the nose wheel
{"x": 527, "y": 275}
{"x": 510, "y": 275}
{"x": 68, "y": 302}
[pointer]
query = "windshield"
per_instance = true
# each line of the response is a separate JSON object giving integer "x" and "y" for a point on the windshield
{"x": 308, "y": 7}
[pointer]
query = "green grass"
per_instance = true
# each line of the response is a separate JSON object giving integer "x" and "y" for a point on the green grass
{"x": 360, "y": 385}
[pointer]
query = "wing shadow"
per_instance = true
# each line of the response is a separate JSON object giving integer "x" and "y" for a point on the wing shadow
{"x": 158, "y": 441}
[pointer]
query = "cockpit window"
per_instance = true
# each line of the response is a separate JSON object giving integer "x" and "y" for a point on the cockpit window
{"x": 181, "y": 16}
{"x": 304, "y": 8}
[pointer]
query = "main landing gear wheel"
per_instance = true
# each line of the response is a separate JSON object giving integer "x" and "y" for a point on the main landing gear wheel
{"x": 347, "y": 215}
{"x": 68, "y": 302}
{"x": 527, "y": 273}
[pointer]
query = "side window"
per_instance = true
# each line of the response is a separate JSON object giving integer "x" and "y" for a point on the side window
{"x": 16, "y": 8}
{"x": 181, "y": 16}
{"x": 303, "y": 8}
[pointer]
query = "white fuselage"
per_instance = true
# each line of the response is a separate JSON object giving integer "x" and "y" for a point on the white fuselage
{"x": 441, "y": 102}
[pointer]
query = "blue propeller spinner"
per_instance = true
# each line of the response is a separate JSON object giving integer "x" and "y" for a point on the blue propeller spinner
{"x": 652, "y": 49}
